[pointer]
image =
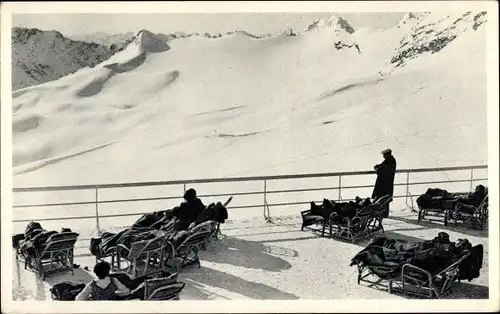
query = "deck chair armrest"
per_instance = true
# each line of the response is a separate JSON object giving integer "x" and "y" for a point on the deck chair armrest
{"x": 458, "y": 206}
{"x": 123, "y": 247}
{"x": 111, "y": 250}
{"x": 417, "y": 269}
{"x": 305, "y": 212}
{"x": 454, "y": 265}
{"x": 342, "y": 219}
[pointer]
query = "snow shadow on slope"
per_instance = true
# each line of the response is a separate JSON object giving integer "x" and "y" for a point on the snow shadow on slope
{"x": 24, "y": 168}
{"x": 248, "y": 254}
{"x": 214, "y": 278}
{"x": 219, "y": 111}
{"x": 361, "y": 83}
{"x": 26, "y": 123}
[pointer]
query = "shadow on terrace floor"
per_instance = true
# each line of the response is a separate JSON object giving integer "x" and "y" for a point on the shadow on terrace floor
{"x": 451, "y": 227}
{"x": 197, "y": 278}
{"x": 459, "y": 290}
{"x": 248, "y": 254}
{"x": 40, "y": 290}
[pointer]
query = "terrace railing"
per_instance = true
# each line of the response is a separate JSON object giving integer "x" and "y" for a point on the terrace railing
{"x": 265, "y": 192}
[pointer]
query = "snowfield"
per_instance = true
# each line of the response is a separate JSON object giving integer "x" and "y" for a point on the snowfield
{"x": 235, "y": 105}
{"x": 327, "y": 99}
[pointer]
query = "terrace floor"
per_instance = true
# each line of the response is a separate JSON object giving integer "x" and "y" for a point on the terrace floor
{"x": 258, "y": 260}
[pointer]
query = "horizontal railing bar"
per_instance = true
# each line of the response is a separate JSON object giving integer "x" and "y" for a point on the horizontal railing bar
{"x": 235, "y": 179}
{"x": 444, "y": 181}
{"x": 237, "y": 194}
{"x": 142, "y": 213}
{"x": 53, "y": 204}
{"x": 55, "y": 218}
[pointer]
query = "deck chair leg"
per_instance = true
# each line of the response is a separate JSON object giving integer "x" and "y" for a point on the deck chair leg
{"x": 40, "y": 269}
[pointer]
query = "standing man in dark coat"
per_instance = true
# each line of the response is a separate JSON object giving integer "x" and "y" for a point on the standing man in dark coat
{"x": 385, "y": 177}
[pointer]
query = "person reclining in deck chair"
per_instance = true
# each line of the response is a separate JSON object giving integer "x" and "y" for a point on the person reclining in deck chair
{"x": 104, "y": 288}
{"x": 215, "y": 211}
{"x": 435, "y": 199}
{"x": 153, "y": 220}
{"x": 348, "y": 209}
{"x": 35, "y": 237}
{"x": 475, "y": 198}
{"x": 430, "y": 255}
{"x": 188, "y": 211}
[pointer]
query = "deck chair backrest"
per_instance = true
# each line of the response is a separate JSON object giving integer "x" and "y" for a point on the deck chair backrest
{"x": 168, "y": 251}
{"x": 60, "y": 241}
{"x": 142, "y": 248}
{"x": 161, "y": 289}
{"x": 366, "y": 211}
{"x": 168, "y": 228}
{"x": 482, "y": 210}
{"x": 208, "y": 226}
{"x": 363, "y": 217}
{"x": 195, "y": 239}
{"x": 383, "y": 201}
{"x": 484, "y": 203}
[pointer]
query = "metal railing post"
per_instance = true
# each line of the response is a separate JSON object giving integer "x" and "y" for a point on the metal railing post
{"x": 471, "y": 178}
{"x": 265, "y": 199}
{"x": 407, "y": 186}
{"x": 97, "y": 211}
{"x": 340, "y": 187}
{"x": 184, "y": 187}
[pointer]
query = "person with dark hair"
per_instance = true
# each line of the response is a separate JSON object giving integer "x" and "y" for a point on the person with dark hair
{"x": 475, "y": 198}
{"x": 384, "y": 185}
{"x": 188, "y": 211}
{"x": 104, "y": 287}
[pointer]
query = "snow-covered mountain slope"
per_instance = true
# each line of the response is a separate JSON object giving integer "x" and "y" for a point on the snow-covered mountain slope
{"x": 42, "y": 56}
{"x": 238, "y": 105}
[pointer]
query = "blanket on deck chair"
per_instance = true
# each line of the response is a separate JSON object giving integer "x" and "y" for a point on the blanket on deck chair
{"x": 150, "y": 226}
{"x": 33, "y": 238}
{"x": 431, "y": 255}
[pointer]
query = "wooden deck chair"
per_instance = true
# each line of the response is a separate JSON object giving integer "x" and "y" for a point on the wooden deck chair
{"x": 109, "y": 256}
{"x": 143, "y": 258}
{"x": 377, "y": 275}
{"x": 57, "y": 252}
{"x": 320, "y": 216}
{"x": 351, "y": 229}
{"x": 470, "y": 215}
{"x": 419, "y": 282}
{"x": 191, "y": 245}
{"x": 439, "y": 214}
{"x": 378, "y": 209}
{"x": 162, "y": 289}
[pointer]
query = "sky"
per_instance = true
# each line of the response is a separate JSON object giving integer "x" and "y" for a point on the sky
{"x": 256, "y": 23}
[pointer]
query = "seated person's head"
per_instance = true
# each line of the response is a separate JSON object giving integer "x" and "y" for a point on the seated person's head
{"x": 190, "y": 195}
{"x": 102, "y": 270}
{"x": 480, "y": 188}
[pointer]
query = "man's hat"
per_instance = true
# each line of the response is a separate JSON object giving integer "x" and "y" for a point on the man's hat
{"x": 386, "y": 151}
